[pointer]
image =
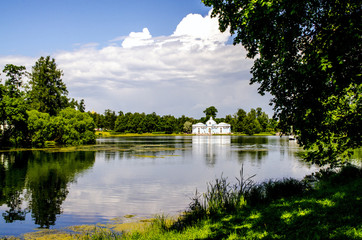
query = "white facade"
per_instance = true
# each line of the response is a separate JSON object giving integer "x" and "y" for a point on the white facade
{"x": 211, "y": 127}
{"x": 3, "y": 126}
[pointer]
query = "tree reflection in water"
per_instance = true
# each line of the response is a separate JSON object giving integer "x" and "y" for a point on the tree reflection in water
{"x": 40, "y": 179}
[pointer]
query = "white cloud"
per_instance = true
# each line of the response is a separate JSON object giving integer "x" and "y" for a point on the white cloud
{"x": 179, "y": 74}
{"x": 136, "y": 39}
{"x": 203, "y": 31}
{"x": 17, "y": 60}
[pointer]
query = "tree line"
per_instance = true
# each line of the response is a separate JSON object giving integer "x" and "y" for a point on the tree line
{"x": 255, "y": 121}
{"x": 38, "y": 111}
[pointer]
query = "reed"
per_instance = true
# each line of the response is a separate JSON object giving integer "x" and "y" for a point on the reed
{"x": 275, "y": 209}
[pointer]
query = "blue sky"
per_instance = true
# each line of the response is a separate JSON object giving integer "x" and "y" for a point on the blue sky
{"x": 33, "y": 27}
{"x": 163, "y": 56}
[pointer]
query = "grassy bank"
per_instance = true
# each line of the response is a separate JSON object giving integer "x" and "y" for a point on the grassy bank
{"x": 286, "y": 209}
{"x": 327, "y": 205}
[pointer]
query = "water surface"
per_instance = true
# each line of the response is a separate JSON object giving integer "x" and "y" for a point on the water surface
{"x": 142, "y": 176}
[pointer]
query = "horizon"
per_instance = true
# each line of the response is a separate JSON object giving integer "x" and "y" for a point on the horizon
{"x": 163, "y": 57}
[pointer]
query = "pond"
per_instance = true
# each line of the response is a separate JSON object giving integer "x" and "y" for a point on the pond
{"x": 140, "y": 176}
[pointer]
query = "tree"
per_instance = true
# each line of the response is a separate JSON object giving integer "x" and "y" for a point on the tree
{"x": 307, "y": 55}
{"x": 48, "y": 92}
{"x": 69, "y": 127}
{"x": 187, "y": 127}
{"x": 240, "y": 120}
{"x": 251, "y": 123}
{"x": 77, "y": 105}
{"x": 14, "y": 80}
{"x": 81, "y": 105}
{"x": 210, "y": 112}
{"x": 262, "y": 118}
{"x": 13, "y": 107}
{"x": 168, "y": 124}
{"x": 109, "y": 119}
{"x": 39, "y": 127}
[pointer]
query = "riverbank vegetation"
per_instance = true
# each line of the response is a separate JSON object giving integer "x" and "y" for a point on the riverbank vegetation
{"x": 254, "y": 122}
{"x": 283, "y": 209}
{"x": 39, "y": 111}
{"x": 325, "y": 205}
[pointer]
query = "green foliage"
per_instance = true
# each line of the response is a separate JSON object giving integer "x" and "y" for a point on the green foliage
{"x": 77, "y": 105}
{"x": 307, "y": 56}
{"x": 39, "y": 127}
{"x": 187, "y": 127}
{"x": 72, "y": 127}
{"x": 69, "y": 127}
{"x": 109, "y": 119}
{"x": 146, "y": 123}
{"x": 341, "y": 128}
{"x": 36, "y": 116}
{"x": 210, "y": 112}
{"x": 142, "y": 123}
{"x": 47, "y": 92}
{"x": 14, "y": 79}
{"x": 330, "y": 211}
{"x": 13, "y": 107}
{"x": 253, "y": 122}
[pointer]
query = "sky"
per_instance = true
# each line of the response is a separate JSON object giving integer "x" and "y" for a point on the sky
{"x": 162, "y": 56}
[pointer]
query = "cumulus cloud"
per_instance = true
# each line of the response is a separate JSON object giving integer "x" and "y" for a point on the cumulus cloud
{"x": 136, "y": 39}
{"x": 183, "y": 73}
{"x": 202, "y": 31}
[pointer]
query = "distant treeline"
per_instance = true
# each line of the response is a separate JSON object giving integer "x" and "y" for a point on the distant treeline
{"x": 39, "y": 111}
{"x": 255, "y": 121}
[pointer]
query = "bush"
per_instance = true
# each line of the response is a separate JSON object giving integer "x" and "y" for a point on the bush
{"x": 69, "y": 127}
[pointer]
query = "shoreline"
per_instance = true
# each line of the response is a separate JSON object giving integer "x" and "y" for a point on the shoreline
{"x": 118, "y": 225}
{"x": 112, "y": 134}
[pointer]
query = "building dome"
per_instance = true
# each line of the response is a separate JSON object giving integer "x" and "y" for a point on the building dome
{"x": 210, "y": 122}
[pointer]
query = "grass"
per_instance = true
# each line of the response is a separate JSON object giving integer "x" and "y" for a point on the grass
{"x": 283, "y": 209}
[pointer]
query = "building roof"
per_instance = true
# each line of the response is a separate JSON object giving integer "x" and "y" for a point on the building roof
{"x": 223, "y": 124}
{"x": 211, "y": 122}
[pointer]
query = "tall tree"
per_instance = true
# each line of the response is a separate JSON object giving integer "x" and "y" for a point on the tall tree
{"x": 109, "y": 119}
{"x": 14, "y": 79}
{"x": 48, "y": 92}
{"x": 307, "y": 55}
{"x": 13, "y": 107}
{"x": 240, "y": 120}
{"x": 210, "y": 112}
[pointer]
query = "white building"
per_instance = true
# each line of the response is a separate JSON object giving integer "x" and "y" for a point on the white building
{"x": 3, "y": 126}
{"x": 211, "y": 127}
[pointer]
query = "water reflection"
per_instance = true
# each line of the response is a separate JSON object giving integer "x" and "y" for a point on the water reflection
{"x": 13, "y": 170}
{"x": 139, "y": 175}
{"x": 37, "y": 182}
{"x": 211, "y": 148}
